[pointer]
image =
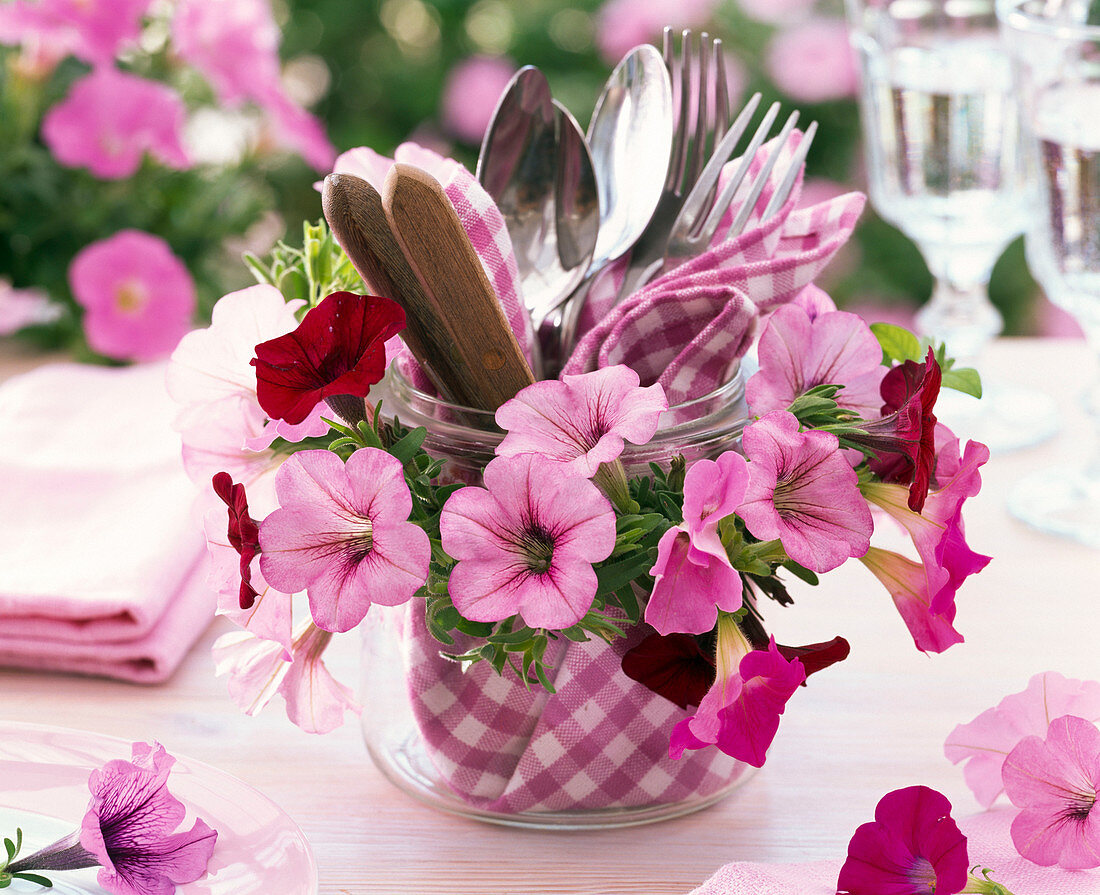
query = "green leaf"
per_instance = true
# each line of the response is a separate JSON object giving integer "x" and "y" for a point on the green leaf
{"x": 540, "y": 673}
{"x": 898, "y": 344}
{"x": 628, "y": 602}
{"x": 964, "y": 379}
{"x": 407, "y": 447}
{"x": 800, "y": 571}
{"x": 34, "y": 878}
{"x": 10, "y": 848}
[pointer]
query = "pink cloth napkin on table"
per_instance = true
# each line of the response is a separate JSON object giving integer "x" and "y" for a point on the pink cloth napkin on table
{"x": 988, "y": 845}
{"x": 687, "y": 327}
{"x": 99, "y": 548}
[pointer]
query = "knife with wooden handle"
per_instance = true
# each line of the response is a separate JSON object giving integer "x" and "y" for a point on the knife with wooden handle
{"x": 354, "y": 213}
{"x": 458, "y": 292}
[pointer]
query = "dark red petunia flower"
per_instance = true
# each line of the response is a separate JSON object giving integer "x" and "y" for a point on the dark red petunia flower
{"x": 337, "y": 349}
{"x": 244, "y": 533}
{"x": 906, "y": 434}
{"x": 816, "y": 656}
{"x": 672, "y": 666}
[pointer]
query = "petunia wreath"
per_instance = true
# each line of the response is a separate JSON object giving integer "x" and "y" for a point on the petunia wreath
{"x": 556, "y": 540}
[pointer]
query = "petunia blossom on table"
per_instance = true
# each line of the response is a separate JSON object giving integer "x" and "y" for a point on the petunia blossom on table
{"x": 130, "y": 831}
{"x": 562, "y": 540}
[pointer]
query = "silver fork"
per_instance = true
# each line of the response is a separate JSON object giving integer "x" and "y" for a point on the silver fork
{"x": 699, "y": 218}
{"x": 699, "y": 85}
{"x": 692, "y": 73}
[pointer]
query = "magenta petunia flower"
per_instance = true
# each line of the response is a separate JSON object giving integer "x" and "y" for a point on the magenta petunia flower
{"x": 338, "y": 349}
{"x": 740, "y": 713}
{"x": 129, "y": 831}
{"x": 1056, "y": 783}
{"x": 583, "y": 420}
{"x": 110, "y": 119}
{"x": 138, "y": 297}
{"x": 258, "y": 670}
{"x": 526, "y": 542}
{"x": 694, "y": 577}
{"x": 243, "y": 532}
{"x": 913, "y": 847}
{"x": 94, "y": 32}
{"x": 130, "y": 827}
{"x": 912, "y": 586}
{"x": 341, "y": 534}
{"x": 798, "y": 352}
{"x": 985, "y": 742}
{"x": 804, "y": 492}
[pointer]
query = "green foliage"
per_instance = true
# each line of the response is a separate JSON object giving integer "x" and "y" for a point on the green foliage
{"x": 311, "y": 272}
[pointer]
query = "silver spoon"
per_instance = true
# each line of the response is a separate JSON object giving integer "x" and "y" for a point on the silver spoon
{"x": 536, "y": 166}
{"x": 630, "y": 136}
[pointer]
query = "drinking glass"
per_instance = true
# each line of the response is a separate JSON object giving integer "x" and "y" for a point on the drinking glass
{"x": 1056, "y": 62}
{"x": 943, "y": 164}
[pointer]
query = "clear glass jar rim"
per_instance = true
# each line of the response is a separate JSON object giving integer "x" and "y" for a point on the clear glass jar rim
{"x": 1014, "y": 15}
{"x": 732, "y": 388}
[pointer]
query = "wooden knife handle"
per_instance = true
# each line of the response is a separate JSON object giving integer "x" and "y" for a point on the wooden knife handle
{"x": 457, "y": 290}
{"x": 354, "y": 213}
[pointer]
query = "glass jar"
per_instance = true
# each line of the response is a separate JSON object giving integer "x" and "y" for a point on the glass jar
{"x": 482, "y": 745}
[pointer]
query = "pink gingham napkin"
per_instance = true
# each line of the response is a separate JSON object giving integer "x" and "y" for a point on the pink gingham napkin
{"x": 480, "y": 217}
{"x": 686, "y": 328}
{"x": 99, "y": 550}
{"x": 989, "y": 844}
{"x": 600, "y": 741}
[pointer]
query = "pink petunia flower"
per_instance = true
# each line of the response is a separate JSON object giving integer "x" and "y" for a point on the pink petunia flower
{"x": 24, "y": 307}
{"x": 912, "y": 587}
{"x": 937, "y": 532}
{"x": 740, "y": 713}
{"x": 470, "y": 95}
{"x": 1056, "y": 783}
{"x": 270, "y": 617}
{"x": 110, "y": 119}
{"x": 804, "y": 492}
{"x": 581, "y": 421}
{"x": 337, "y": 350}
{"x": 913, "y": 847}
{"x": 138, "y": 297}
{"x": 798, "y": 352}
{"x": 693, "y": 574}
{"x": 93, "y": 31}
{"x": 341, "y": 534}
{"x": 526, "y": 542}
{"x": 813, "y": 61}
{"x": 258, "y": 670}
{"x": 623, "y": 24}
{"x": 985, "y": 742}
{"x": 235, "y": 45}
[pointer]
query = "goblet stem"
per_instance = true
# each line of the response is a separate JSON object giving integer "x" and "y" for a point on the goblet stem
{"x": 959, "y": 311}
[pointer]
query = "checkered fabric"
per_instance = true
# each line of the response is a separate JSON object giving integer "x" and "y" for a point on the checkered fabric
{"x": 686, "y": 328}
{"x": 600, "y": 741}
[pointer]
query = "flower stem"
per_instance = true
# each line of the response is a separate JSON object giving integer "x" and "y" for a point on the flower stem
{"x": 65, "y": 854}
{"x": 983, "y": 886}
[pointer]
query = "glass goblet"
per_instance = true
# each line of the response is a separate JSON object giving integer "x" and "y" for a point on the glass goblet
{"x": 943, "y": 164}
{"x": 1056, "y": 61}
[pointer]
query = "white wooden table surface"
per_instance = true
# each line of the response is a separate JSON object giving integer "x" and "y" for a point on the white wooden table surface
{"x": 874, "y": 723}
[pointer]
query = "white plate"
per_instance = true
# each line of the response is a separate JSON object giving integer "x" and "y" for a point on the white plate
{"x": 44, "y": 790}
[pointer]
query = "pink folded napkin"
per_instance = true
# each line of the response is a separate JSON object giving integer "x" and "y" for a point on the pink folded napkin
{"x": 988, "y": 845}
{"x": 99, "y": 546}
{"x": 687, "y": 328}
